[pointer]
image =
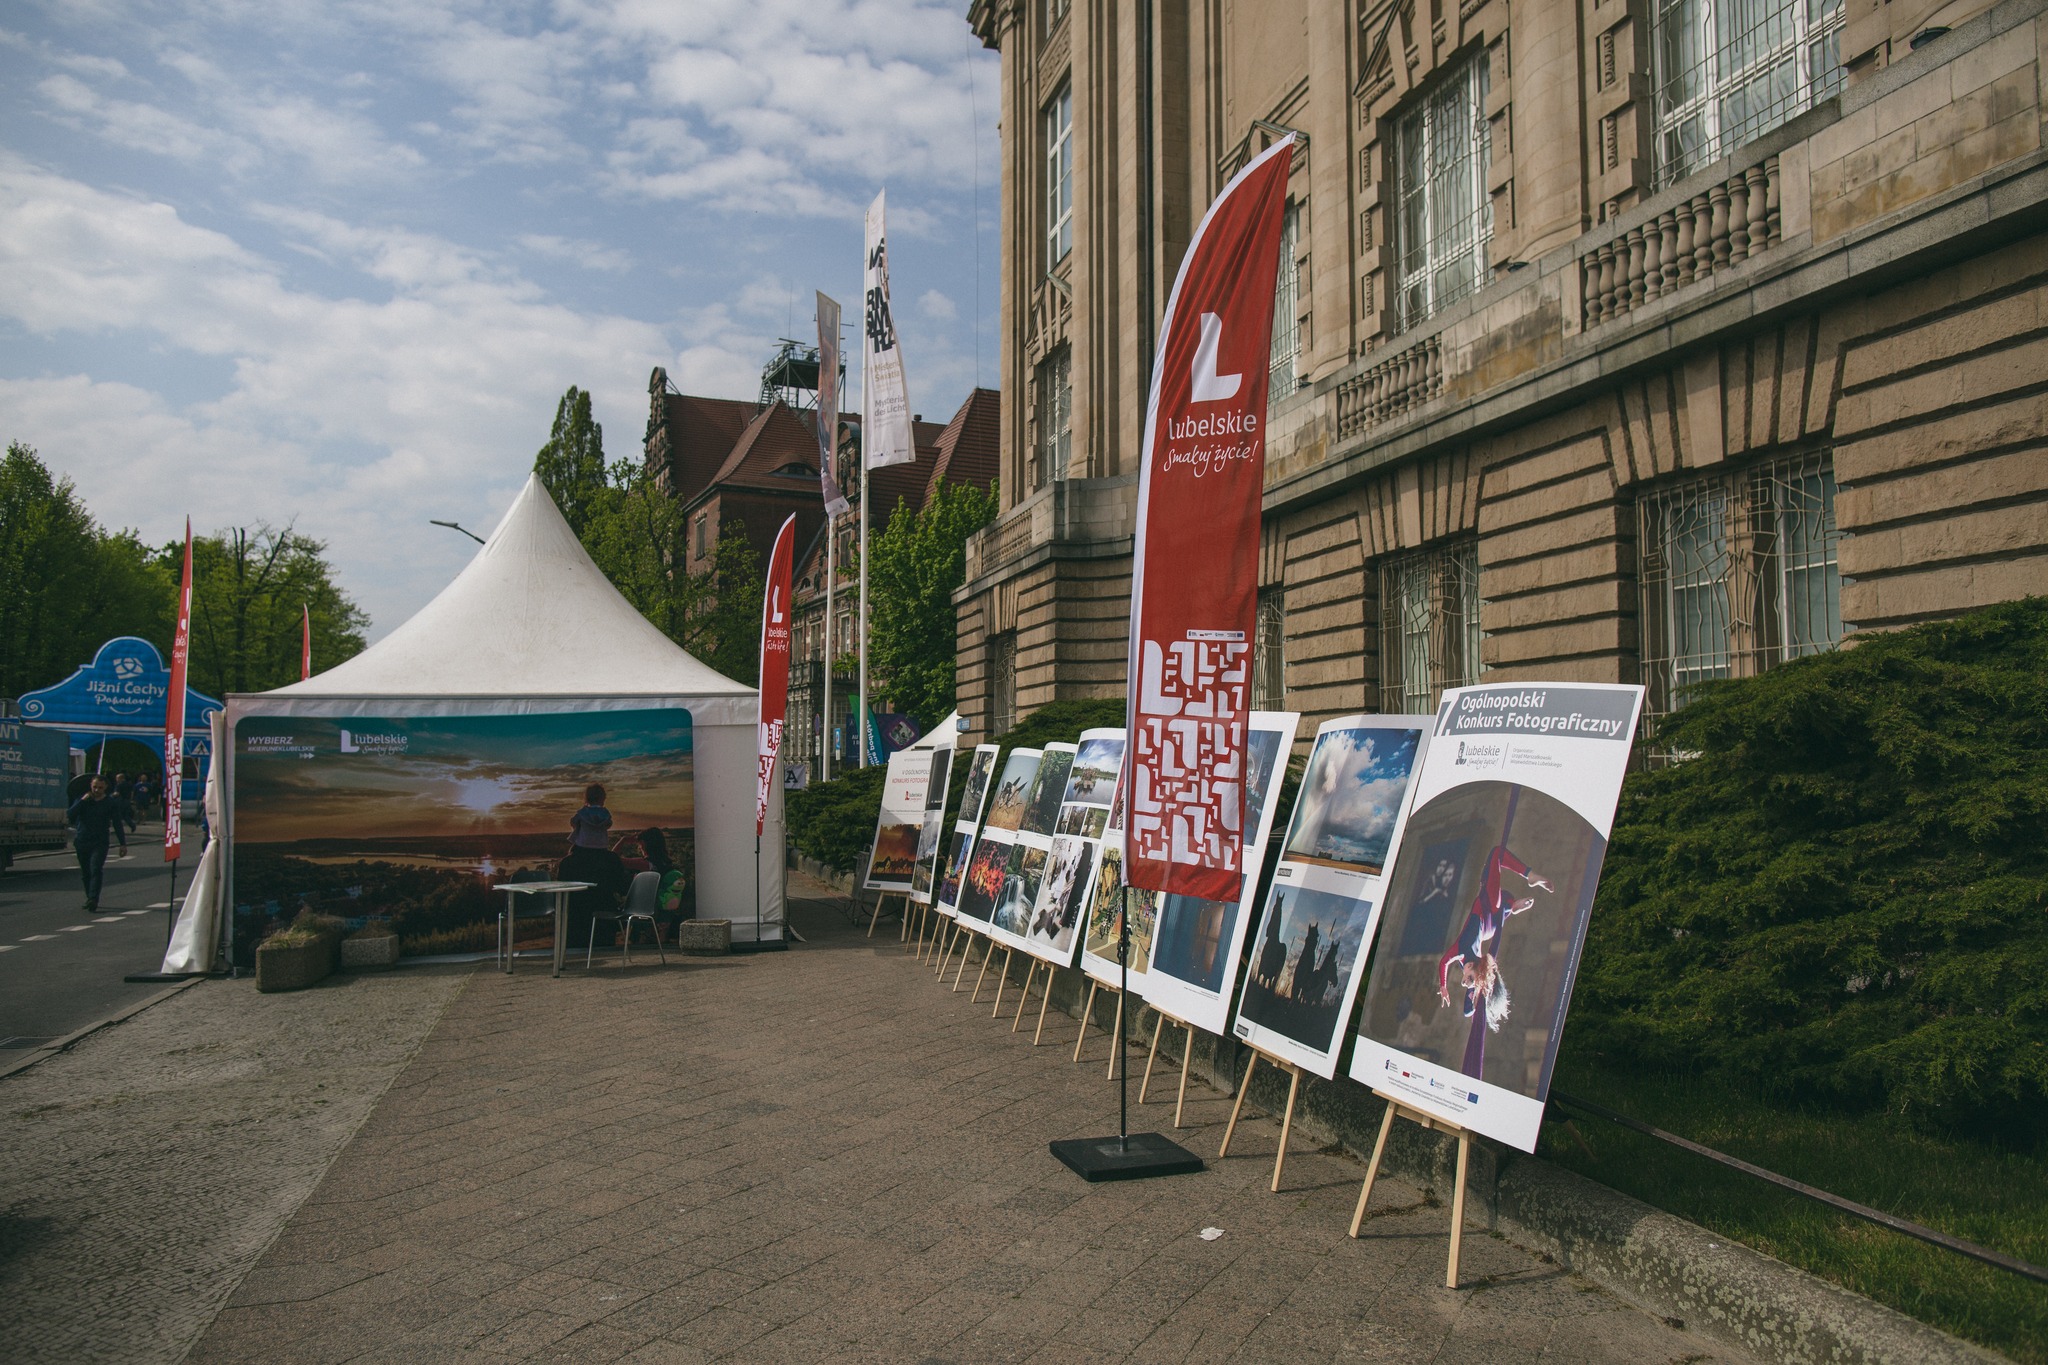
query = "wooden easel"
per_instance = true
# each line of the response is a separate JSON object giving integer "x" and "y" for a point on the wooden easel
{"x": 1372, "y": 1172}
{"x": 949, "y": 939}
{"x": 967, "y": 940}
{"x": 1002, "y": 979}
{"x": 1286, "y": 1122}
{"x": 880, "y": 898}
{"x": 1088, "y": 1012}
{"x": 1160, "y": 1020}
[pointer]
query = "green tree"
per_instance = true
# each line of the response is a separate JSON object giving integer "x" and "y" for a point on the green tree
{"x": 914, "y": 568}
{"x": 571, "y": 465}
{"x": 66, "y": 586}
{"x": 634, "y": 533}
{"x": 726, "y": 631}
{"x": 248, "y": 589}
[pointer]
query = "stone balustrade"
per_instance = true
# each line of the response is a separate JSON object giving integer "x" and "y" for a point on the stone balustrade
{"x": 1392, "y": 387}
{"x": 1719, "y": 228}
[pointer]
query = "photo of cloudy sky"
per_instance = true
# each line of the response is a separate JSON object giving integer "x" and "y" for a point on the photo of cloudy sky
{"x": 1351, "y": 796}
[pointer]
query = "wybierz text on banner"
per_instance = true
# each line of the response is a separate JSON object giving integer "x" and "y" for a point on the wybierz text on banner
{"x": 1194, "y": 594}
{"x": 886, "y": 437}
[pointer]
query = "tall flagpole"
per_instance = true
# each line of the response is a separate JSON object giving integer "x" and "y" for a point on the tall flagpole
{"x": 860, "y": 722}
{"x": 825, "y": 723}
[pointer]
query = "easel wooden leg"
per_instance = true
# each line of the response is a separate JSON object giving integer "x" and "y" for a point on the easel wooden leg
{"x": 966, "y": 947}
{"x": 1372, "y": 1170}
{"x": 1286, "y": 1126}
{"x": 945, "y": 947}
{"x": 1243, "y": 1087}
{"x": 1043, "y": 1000}
{"x": 954, "y": 943}
{"x": 988, "y": 951}
{"x": 1116, "y": 1051}
{"x": 1087, "y": 1013}
{"x": 876, "y": 918}
{"x": 1458, "y": 1210}
{"x": 1030, "y": 970}
{"x": 1002, "y": 979}
{"x": 903, "y": 929}
{"x": 1187, "y": 1048}
{"x": 1158, "y": 1021}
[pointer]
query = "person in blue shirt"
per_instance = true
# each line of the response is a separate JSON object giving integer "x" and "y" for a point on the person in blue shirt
{"x": 93, "y": 818}
{"x": 591, "y": 827}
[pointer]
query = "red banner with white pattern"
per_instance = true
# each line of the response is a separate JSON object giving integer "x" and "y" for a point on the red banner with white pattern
{"x": 775, "y": 641}
{"x": 1194, "y": 591}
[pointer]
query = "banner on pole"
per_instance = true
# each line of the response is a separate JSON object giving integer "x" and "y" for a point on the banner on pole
{"x": 174, "y": 714}
{"x": 1486, "y": 910}
{"x": 775, "y": 638}
{"x": 836, "y": 504}
{"x": 1198, "y": 541}
{"x": 886, "y": 437}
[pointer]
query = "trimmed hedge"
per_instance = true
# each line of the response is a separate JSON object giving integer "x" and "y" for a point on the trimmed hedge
{"x": 1841, "y": 896}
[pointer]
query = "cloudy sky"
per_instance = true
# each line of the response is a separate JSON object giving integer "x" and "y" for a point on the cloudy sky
{"x": 334, "y": 263}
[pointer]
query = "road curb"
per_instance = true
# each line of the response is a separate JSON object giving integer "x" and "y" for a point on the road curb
{"x": 69, "y": 1040}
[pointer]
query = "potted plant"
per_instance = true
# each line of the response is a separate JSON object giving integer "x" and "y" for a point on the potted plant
{"x": 299, "y": 955}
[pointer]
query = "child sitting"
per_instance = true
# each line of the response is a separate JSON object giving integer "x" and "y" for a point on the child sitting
{"x": 591, "y": 826}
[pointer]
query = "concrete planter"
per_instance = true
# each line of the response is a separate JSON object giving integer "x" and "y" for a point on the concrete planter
{"x": 704, "y": 937}
{"x": 292, "y": 969}
{"x": 378, "y": 951}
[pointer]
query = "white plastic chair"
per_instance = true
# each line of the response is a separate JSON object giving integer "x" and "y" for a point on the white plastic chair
{"x": 643, "y": 898}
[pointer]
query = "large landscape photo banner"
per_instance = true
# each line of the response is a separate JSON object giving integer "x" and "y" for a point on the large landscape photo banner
{"x": 1308, "y": 953}
{"x": 1487, "y": 908}
{"x": 1010, "y": 922}
{"x": 901, "y": 822}
{"x": 1197, "y": 945}
{"x": 414, "y": 819}
{"x": 953, "y": 873}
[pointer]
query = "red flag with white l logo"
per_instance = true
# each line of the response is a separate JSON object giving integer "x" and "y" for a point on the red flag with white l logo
{"x": 1194, "y": 589}
{"x": 775, "y": 639}
{"x": 174, "y": 714}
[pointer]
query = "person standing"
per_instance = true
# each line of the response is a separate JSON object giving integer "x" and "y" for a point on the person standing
{"x": 93, "y": 818}
{"x": 124, "y": 818}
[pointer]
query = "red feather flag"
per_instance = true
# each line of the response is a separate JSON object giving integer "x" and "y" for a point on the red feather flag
{"x": 174, "y": 714}
{"x": 775, "y": 641}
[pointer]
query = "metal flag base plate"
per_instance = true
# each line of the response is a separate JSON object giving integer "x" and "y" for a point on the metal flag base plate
{"x": 149, "y": 977}
{"x": 1140, "y": 1157}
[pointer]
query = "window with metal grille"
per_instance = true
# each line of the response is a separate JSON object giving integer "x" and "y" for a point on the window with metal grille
{"x": 1269, "y": 653}
{"x": 1283, "y": 377}
{"x": 1443, "y": 216}
{"x": 703, "y": 520}
{"x": 1055, "y": 379}
{"x": 1725, "y": 72}
{"x": 1059, "y": 176}
{"x": 1738, "y": 573}
{"x": 1429, "y": 626}
{"x": 1002, "y": 684}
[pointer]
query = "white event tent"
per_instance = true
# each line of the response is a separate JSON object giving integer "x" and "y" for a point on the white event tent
{"x": 533, "y": 627}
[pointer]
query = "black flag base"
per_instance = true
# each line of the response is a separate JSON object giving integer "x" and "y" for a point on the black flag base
{"x": 145, "y": 978}
{"x": 1138, "y": 1157}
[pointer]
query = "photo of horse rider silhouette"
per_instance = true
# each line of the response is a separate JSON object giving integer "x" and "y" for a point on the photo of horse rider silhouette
{"x": 1308, "y": 945}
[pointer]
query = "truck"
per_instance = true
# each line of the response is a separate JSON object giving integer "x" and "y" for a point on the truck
{"x": 34, "y": 767}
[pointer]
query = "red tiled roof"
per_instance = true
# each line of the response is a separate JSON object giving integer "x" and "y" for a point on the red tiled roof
{"x": 701, "y": 433}
{"x": 970, "y": 448}
{"x": 776, "y": 440}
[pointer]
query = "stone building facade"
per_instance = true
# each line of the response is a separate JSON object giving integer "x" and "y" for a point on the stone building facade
{"x": 1621, "y": 340}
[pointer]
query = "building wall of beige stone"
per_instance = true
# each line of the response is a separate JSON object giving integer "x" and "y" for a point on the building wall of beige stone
{"x": 1862, "y": 289}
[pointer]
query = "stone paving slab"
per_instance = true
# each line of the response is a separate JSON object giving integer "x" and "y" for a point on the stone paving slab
{"x": 143, "y": 1172}
{"x": 823, "y": 1154}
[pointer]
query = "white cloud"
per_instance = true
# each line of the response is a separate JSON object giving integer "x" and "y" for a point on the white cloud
{"x": 937, "y": 306}
{"x": 577, "y": 251}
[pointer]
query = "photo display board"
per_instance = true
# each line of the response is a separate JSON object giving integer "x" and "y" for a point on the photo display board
{"x": 1486, "y": 910}
{"x": 929, "y": 832}
{"x": 972, "y": 801}
{"x": 1075, "y": 853}
{"x": 1010, "y": 922}
{"x": 1197, "y": 944}
{"x": 1308, "y": 954}
{"x": 982, "y": 883}
{"x": 901, "y": 820}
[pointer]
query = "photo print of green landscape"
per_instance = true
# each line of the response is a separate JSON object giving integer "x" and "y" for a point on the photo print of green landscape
{"x": 414, "y": 819}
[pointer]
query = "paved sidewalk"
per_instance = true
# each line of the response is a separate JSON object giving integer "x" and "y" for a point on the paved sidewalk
{"x": 143, "y": 1172}
{"x": 824, "y": 1155}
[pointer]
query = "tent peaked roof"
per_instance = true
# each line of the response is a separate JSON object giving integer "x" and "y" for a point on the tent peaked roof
{"x": 531, "y": 616}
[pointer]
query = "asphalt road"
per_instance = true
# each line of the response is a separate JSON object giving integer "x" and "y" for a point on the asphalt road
{"x": 60, "y": 968}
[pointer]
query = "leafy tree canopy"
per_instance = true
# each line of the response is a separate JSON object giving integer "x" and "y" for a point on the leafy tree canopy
{"x": 914, "y": 567}
{"x": 571, "y": 465}
{"x": 249, "y": 586}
